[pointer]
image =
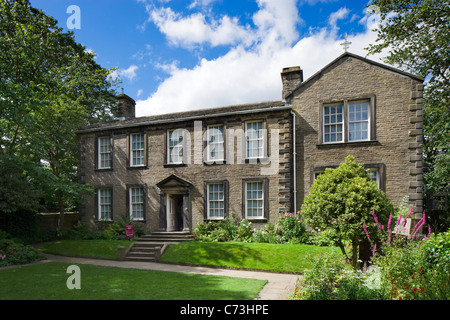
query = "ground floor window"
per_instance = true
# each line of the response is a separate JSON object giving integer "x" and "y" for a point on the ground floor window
{"x": 136, "y": 203}
{"x": 215, "y": 200}
{"x": 254, "y": 199}
{"x": 105, "y": 204}
{"x": 376, "y": 172}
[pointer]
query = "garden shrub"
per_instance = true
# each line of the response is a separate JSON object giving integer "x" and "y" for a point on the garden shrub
{"x": 331, "y": 278}
{"x": 245, "y": 231}
{"x": 417, "y": 269}
{"x": 342, "y": 199}
{"x": 222, "y": 230}
{"x": 293, "y": 228}
{"x": 13, "y": 252}
{"x": 103, "y": 230}
{"x": 269, "y": 233}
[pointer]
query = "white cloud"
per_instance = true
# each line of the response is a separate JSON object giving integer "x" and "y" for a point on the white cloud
{"x": 194, "y": 29}
{"x": 246, "y": 73}
{"x": 342, "y": 13}
{"x": 129, "y": 73}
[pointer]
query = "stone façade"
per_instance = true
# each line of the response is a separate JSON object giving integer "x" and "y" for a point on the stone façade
{"x": 393, "y": 149}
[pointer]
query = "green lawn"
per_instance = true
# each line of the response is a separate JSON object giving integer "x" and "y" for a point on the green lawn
{"x": 292, "y": 258}
{"x": 88, "y": 248}
{"x": 264, "y": 256}
{"x": 47, "y": 281}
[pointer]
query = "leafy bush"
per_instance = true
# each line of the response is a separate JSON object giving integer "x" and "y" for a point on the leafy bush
{"x": 330, "y": 278}
{"x": 12, "y": 252}
{"x": 293, "y": 228}
{"x": 270, "y": 233}
{"x": 245, "y": 231}
{"x": 342, "y": 199}
{"x": 416, "y": 270}
{"x": 222, "y": 230}
{"x": 103, "y": 230}
{"x": 325, "y": 238}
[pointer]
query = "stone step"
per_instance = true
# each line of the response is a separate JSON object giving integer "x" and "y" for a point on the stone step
{"x": 149, "y": 248}
{"x": 166, "y": 237}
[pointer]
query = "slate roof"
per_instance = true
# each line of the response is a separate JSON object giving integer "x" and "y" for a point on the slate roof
{"x": 234, "y": 110}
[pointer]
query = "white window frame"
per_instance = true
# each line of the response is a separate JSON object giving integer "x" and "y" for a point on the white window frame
{"x": 102, "y": 153}
{"x": 346, "y": 123}
{"x": 259, "y": 140}
{"x": 218, "y": 204}
{"x": 368, "y": 121}
{"x": 104, "y": 207}
{"x": 137, "y": 206}
{"x": 217, "y": 145}
{"x": 336, "y": 123}
{"x": 175, "y": 147}
{"x": 375, "y": 171}
{"x": 258, "y": 200}
{"x": 137, "y": 153}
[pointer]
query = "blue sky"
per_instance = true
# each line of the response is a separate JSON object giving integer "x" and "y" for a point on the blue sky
{"x": 175, "y": 55}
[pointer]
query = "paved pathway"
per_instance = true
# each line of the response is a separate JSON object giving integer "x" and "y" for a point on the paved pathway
{"x": 279, "y": 285}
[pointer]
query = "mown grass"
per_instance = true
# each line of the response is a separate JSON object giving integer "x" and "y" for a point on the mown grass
{"x": 293, "y": 258}
{"x": 87, "y": 248}
{"x": 47, "y": 281}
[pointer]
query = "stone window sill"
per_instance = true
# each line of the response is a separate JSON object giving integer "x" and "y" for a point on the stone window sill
{"x": 348, "y": 144}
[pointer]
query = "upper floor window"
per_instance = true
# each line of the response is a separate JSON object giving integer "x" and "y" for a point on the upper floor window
{"x": 175, "y": 143}
{"x": 358, "y": 121}
{"x": 215, "y": 147}
{"x": 254, "y": 139}
{"x": 137, "y": 150}
{"x": 348, "y": 121}
{"x": 104, "y": 153}
{"x": 333, "y": 124}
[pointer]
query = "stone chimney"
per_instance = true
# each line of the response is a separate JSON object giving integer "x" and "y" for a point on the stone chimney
{"x": 291, "y": 78}
{"x": 126, "y": 107}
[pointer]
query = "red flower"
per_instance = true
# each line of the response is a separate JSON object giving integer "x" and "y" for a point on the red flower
{"x": 422, "y": 289}
{"x": 400, "y": 298}
{"x": 420, "y": 270}
{"x": 412, "y": 277}
{"x": 415, "y": 289}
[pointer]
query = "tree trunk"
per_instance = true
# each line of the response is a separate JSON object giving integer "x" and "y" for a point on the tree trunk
{"x": 355, "y": 255}
{"x": 61, "y": 210}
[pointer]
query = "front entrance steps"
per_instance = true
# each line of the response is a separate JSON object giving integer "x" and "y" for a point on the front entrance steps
{"x": 149, "y": 248}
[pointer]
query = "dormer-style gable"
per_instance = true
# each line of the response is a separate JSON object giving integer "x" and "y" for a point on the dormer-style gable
{"x": 289, "y": 89}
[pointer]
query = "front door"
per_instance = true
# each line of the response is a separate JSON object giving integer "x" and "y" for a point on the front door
{"x": 174, "y": 209}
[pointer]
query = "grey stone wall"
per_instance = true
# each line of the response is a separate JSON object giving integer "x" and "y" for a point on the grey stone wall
{"x": 397, "y": 140}
{"x": 156, "y": 170}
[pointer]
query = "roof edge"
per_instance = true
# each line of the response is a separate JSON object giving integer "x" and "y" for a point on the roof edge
{"x": 216, "y": 112}
{"x": 348, "y": 54}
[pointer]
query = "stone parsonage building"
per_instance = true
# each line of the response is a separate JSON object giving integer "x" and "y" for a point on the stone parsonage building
{"x": 254, "y": 161}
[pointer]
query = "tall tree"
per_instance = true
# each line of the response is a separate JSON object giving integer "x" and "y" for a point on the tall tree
{"x": 417, "y": 35}
{"x": 50, "y": 86}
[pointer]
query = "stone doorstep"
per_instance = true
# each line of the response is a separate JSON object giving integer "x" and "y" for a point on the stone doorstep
{"x": 149, "y": 248}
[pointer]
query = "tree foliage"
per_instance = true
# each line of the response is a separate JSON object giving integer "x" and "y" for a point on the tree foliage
{"x": 342, "y": 200}
{"x": 416, "y": 34}
{"x": 50, "y": 86}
